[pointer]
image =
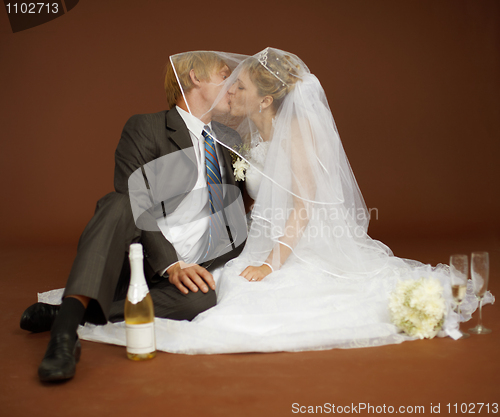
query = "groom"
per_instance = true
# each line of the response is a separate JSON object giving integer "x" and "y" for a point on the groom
{"x": 97, "y": 284}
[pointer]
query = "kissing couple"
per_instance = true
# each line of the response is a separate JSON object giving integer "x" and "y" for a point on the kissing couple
{"x": 277, "y": 259}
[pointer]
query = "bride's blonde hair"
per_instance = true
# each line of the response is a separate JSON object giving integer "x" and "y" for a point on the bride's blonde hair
{"x": 276, "y": 78}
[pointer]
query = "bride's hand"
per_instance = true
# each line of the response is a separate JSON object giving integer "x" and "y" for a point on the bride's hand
{"x": 256, "y": 273}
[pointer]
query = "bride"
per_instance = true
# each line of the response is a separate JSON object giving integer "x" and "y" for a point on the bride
{"x": 309, "y": 277}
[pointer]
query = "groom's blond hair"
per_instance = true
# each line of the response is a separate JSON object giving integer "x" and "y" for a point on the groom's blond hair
{"x": 204, "y": 65}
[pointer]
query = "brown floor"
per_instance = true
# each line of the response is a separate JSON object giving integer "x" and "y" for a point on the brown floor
{"x": 420, "y": 373}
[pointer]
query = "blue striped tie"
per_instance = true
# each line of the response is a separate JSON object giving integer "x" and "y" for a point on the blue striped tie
{"x": 214, "y": 183}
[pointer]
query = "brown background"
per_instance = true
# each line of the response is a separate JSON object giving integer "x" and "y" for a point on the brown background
{"x": 414, "y": 87}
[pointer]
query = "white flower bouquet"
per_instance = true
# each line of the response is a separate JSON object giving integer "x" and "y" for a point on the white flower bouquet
{"x": 417, "y": 307}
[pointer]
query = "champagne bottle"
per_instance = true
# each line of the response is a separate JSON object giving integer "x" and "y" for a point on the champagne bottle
{"x": 139, "y": 312}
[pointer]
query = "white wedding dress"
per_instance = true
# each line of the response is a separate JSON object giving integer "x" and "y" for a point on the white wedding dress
{"x": 295, "y": 308}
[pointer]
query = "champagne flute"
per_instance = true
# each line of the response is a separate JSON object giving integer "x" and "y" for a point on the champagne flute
{"x": 459, "y": 271}
{"x": 480, "y": 271}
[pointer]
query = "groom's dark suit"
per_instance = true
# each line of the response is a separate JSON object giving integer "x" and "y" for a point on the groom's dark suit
{"x": 100, "y": 270}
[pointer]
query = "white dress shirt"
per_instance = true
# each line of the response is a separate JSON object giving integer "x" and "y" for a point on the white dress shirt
{"x": 185, "y": 228}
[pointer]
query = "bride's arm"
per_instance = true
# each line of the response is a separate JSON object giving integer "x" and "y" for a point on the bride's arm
{"x": 304, "y": 190}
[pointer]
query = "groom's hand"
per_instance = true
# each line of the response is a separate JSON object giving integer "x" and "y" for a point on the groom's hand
{"x": 190, "y": 277}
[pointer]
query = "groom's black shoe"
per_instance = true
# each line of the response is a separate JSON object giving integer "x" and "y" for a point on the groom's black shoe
{"x": 59, "y": 362}
{"x": 39, "y": 317}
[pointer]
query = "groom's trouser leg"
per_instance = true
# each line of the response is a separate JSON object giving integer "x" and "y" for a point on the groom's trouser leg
{"x": 168, "y": 301}
{"x": 101, "y": 270}
{"x": 101, "y": 252}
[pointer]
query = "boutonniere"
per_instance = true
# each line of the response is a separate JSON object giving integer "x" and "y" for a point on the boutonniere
{"x": 240, "y": 166}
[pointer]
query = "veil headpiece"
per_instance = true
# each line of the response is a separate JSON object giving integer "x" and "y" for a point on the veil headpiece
{"x": 262, "y": 57}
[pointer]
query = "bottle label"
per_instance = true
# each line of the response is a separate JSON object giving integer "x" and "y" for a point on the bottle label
{"x": 140, "y": 338}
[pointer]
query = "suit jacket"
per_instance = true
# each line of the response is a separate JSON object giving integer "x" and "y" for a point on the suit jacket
{"x": 145, "y": 138}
